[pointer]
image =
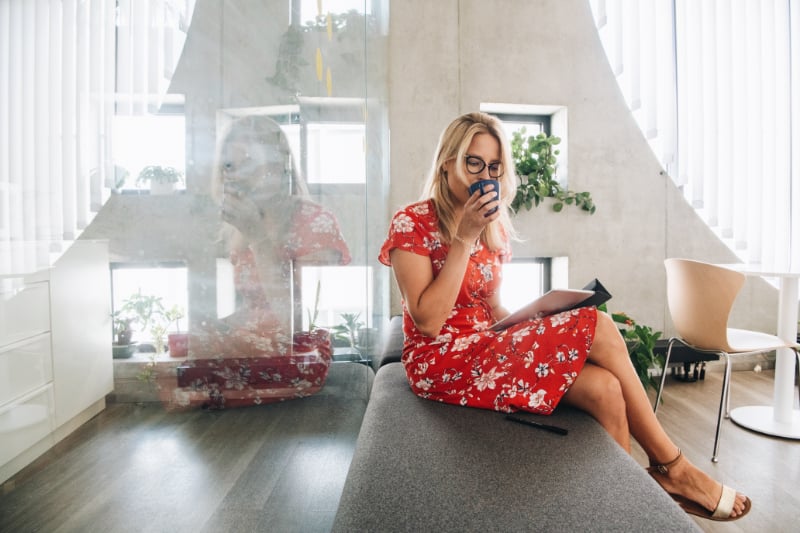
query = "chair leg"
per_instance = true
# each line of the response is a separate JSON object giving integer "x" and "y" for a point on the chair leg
{"x": 722, "y": 404}
{"x": 663, "y": 375}
{"x": 728, "y": 370}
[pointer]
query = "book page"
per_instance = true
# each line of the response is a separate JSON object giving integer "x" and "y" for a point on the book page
{"x": 549, "y": 303}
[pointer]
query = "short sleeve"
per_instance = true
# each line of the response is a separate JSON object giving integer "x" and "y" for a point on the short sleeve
{"x": 315, "y": 229}
{"x": 413, "y": 229}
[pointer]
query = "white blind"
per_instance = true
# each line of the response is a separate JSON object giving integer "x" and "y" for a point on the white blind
{"x": 54, "y": 87}
{"x": 715, "y": 91}
{"x": 66, "y": 68}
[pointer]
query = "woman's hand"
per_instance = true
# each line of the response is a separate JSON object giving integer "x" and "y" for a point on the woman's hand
{"x": 475, "y": 215}
{"x": 254, "y": 214}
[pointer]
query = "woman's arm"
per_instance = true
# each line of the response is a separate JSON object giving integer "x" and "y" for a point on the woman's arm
{"x": 428, "y": 300}
{"x": 263, "y": 230}
{"x": 498, "y": 310}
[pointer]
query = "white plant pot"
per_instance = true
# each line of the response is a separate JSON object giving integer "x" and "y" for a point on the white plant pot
{"x": 158, "y": 188}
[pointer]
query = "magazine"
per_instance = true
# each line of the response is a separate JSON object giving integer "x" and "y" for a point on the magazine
{"x": 556, "y": 301}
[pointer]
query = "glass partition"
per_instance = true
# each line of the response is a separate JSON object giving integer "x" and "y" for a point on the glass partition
{"x": 242, "y": 145}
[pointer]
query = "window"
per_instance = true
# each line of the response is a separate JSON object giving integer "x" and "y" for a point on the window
{"x": 147, "y": 140}
{"x": 167, "y": 281}
{"x": 148, "y": 124}
{"x": 342, "y": 289}
{"x": 536, "y": 119}
{"x": 335, "y": 153}
{"x": 533, "y": 124}
{"x": 523, "y": 281}
{"x": 327, "y": 140}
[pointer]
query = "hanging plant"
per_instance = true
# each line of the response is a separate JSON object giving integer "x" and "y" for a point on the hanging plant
{"x": 535, "y": 163}
{"x": 346, "y": 33}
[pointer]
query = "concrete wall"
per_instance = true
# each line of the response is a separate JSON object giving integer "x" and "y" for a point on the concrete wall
{"x": 449, "y": 56}
{"x": 446, "y": 57}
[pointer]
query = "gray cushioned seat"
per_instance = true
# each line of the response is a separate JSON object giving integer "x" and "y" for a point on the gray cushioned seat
{"x": 392, "y": 344}
{"x": 420, "y": 465}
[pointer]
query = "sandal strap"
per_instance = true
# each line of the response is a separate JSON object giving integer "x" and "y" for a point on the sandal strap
{"x": 726, "y": 501}
{"x": 664, "y": 468}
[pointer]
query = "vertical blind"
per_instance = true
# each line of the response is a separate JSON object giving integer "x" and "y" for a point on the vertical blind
{"x": 66, "y": 68}
{"x": 55, "y": 78}
{"x": 715, "y": 90}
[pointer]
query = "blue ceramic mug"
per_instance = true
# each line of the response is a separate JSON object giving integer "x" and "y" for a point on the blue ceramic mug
{"x": 485, "y": 186}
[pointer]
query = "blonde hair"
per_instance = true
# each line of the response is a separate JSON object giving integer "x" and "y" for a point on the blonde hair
{"x": 258, "y": 129}
{"x": 453, "y": 145}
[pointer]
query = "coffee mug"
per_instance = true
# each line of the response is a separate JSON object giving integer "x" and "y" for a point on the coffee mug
{"x": 483, "y": 186}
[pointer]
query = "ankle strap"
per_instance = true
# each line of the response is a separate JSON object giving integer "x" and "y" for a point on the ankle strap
{"x": 664, "y": 468}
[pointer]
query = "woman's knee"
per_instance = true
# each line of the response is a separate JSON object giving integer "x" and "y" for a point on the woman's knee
{"x": 608, "y": 391}
{"x": 599, "y": 392}
{"x": 607, "y": 338}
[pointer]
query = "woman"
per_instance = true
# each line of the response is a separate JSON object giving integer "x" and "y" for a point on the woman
{"x": 271, "y": 226}
{"x": 446, "y": 252}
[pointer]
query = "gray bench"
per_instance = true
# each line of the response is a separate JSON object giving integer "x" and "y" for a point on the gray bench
{"x": 420, "y": 465}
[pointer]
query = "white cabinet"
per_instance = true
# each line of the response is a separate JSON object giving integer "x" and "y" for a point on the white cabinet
{"x": 55, "y": 356}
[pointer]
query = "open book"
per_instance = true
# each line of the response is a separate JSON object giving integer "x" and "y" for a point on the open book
{"x": 556, "y": 301}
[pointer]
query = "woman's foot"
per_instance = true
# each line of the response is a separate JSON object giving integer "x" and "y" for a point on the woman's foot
{"x": 696, "y": 492}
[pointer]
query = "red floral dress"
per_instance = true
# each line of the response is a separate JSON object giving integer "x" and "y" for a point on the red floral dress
{"x": 528, "y": 366}
{"x": 244, "y": 359}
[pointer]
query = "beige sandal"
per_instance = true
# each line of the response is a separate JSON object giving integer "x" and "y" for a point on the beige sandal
{"x": 724, "y": 508}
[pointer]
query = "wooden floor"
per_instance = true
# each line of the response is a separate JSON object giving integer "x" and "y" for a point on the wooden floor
{"x": 281, "y": 467}
{"x": 136, "y": 468}
{"x": 767, "y": 469}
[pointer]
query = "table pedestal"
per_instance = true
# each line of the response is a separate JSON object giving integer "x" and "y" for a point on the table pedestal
{"x": 761, "y": 418}
{"x": 780, "y": 419}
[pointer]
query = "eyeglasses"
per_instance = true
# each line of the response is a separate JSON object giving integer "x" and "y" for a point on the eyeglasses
{"x": 475, "y": 165}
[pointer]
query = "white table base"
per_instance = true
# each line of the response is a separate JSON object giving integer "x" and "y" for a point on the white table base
{"x": 761, "y": 418}
{"x": 780, "y": 419}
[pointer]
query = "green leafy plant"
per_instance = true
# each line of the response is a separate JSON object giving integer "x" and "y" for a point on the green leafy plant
{"x": 174, "y": 315}
{"x": 640, "y": 340}
{"x": 123, "y": 329}
{"x": 147, "y": 313}
{"x": 348, "y": 32}
{"x": 141, "y": 310}
{"x": 535, "y": 163}
{"x": 348, "y": 329}
{"x": 159, "y": 174}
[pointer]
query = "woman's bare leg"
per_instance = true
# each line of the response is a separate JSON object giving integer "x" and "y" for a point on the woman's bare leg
{"x": 598, "y": 393}
{"x": 610, "y": 353}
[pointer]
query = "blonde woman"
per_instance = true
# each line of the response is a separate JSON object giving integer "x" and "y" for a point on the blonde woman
{"x": 252, "y": 356}
{"x": 446, "y": 252}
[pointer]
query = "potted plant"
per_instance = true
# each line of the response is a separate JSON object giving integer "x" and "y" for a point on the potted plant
{"x": 177, "y": 341}
{"x": 143, "y": 311}
{"x": 122, "y": 346}
{"x": 150, "y": 315}
{"x": 535, "y": 163}
{"x": 162, "y": 180}
{"x": 347, "y": 331}
{"x": 640, "y": 341}
{"x": 315, "y": 338}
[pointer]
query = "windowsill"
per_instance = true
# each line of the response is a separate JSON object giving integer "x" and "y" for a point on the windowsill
{"x": 131, "y": 367}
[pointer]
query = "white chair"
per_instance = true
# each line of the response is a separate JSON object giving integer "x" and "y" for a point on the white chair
{"x": 700, "y": 297}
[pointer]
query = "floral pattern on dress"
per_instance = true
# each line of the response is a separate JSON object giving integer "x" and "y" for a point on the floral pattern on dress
{"x": 245, "y": 359}
{"x": 528, "y": 366}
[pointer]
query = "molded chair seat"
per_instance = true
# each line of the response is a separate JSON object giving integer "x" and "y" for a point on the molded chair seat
{"x": 700, "y": 297}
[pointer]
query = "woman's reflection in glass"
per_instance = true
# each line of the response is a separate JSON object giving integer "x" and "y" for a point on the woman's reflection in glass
{"x": 253, "y": 355}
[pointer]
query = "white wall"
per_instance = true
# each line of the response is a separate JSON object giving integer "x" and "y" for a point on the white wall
{"x": 449, "y": 56}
